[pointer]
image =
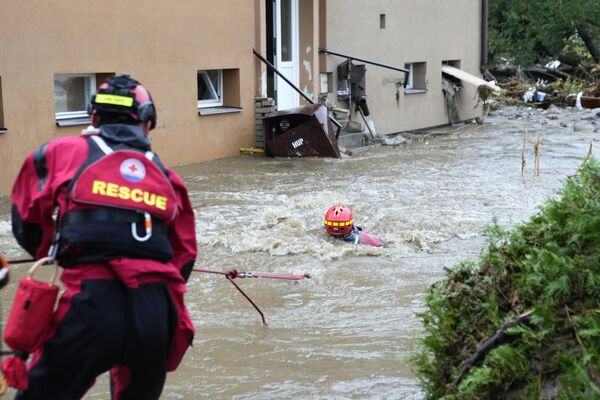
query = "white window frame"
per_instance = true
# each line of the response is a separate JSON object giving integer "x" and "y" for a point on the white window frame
{"x": 90, "y": 89}
{"x": 216, "y": 92}
{"x": 411, "y": 69}
{"x": 2, "y": 122}
{"x": 421, "y": 68}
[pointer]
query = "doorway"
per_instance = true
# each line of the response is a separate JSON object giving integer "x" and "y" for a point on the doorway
{"x": 282, "y": 51}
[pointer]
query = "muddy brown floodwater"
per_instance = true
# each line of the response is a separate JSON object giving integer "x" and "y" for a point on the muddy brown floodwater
{"x": 347, "y": 332}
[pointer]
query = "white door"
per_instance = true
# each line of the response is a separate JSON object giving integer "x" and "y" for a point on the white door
{"x": 286, "y": 21}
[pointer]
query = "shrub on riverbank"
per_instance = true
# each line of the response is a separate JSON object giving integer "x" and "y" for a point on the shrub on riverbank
{"x": 523, "y": 322}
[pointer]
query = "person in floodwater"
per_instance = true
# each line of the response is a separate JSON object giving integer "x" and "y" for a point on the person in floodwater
{"x": 339, "y": 223}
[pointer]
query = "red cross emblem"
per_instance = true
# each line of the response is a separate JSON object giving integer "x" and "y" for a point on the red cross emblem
{"x": 132, "y": 170}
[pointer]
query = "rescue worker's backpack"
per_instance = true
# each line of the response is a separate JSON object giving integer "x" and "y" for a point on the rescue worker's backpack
{"x": 119, "y": 204}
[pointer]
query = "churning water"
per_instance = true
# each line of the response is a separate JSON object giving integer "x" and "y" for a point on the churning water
{"x": 347, "y": 332}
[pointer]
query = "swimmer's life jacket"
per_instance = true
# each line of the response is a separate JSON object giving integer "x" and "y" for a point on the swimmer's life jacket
{"x": 358, "y": 236}
{"x": 118, "y": 206}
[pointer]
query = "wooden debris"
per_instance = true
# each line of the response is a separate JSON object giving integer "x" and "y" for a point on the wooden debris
{"x": 537, "y": 151}
{"x": 489, "y": 344}
{"x": 523, "y": 162}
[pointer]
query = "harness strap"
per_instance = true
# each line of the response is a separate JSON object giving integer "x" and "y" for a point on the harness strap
{"x": 107, "y": 150}
{"x": 102, "y": 144}
{"x": 41, "y": 168}
{"x": 110, "y": 215}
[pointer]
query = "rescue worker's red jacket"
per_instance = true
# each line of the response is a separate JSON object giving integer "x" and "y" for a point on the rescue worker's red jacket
{"x": 42, "y": 185}
{"x": 358, "y": 236}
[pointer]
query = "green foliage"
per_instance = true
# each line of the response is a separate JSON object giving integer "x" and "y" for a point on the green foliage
{"x": 570, "y": 85}
{"x": 551, "y": 265}
{"x": 575, "y": 49}
{"x": 534, "y": 31}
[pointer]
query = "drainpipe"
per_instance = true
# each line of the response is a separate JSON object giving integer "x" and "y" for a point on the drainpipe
{"x": 484, "y": 42}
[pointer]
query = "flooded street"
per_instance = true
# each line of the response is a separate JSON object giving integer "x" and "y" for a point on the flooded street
{"x": 347, "y": 332}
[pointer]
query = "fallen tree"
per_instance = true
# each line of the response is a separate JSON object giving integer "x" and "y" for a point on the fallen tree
{"x": 523, "y": 321}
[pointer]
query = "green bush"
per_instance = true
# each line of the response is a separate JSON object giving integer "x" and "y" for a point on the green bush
{"x": 543, "y": 279}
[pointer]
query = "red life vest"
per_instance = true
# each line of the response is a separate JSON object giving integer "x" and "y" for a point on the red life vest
{"x": 358, "y": 236}
{"x": 370, "y": 240}
{"x": 119, "y": 204}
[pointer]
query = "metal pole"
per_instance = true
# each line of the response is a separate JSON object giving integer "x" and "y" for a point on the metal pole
{"x": 363, "y": 60}
{"x": 349, "y": 83}
{"x": 261, "y": 58}
{"x": 333, "y": 53}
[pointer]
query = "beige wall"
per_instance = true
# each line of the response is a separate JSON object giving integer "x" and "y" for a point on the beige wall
{"x": 260, "y": 45}
{"x": 161, "y": 43}
{"x": 416, "y": 31}
{"x": 309, "y": 48}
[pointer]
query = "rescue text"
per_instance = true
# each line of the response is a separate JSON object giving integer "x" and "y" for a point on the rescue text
{"x": 110, "y": 189}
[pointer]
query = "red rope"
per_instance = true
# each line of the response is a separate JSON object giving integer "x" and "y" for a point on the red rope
{"x": 208, "y": 271}
{"x": 262, "y": 316}
{"x": 239, "y": 274}
{"x": 22, "y": 261}
{"x": 232, "y": 274}
{"x": 288, "y": 277}
{"x": 229, "y": 275}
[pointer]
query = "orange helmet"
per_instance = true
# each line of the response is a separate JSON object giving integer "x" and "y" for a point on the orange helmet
{"x": 338, "y": 220}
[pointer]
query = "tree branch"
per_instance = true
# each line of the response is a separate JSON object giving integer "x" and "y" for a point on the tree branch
{"x": 489, "y": 344}
{"x": 588, "y": 40}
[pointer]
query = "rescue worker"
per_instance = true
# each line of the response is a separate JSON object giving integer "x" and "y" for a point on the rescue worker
{"x": 339, "y": 223}
{"x": 124, "y": 232}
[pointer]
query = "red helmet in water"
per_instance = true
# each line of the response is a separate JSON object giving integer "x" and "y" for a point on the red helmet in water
{"x": 338, "y": 220}
{"x": 123, "y": 99}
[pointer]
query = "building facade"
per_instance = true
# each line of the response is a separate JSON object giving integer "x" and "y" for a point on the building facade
{"x": 420, "y": 36}
{"x": 196, "y": 58}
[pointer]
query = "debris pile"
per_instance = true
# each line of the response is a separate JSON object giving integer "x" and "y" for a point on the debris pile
{"x": 544, "y": 87}
{"x": 522, "y": 322}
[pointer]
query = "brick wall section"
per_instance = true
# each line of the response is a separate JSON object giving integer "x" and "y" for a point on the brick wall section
{"x": 264, "y": 106}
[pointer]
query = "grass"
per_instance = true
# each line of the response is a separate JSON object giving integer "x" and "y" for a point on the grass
{"x": 548, "y": 269}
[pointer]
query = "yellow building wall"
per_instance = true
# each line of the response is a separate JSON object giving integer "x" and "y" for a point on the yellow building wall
{"x": 164, "y": 43}
{"x": 160, "y": 43}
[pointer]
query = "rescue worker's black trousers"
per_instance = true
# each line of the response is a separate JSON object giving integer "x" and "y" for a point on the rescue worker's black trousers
{"x": 107, "y": 325}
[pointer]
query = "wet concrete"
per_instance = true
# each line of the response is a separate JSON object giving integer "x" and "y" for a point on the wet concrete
{"x": 347, "y": 332}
